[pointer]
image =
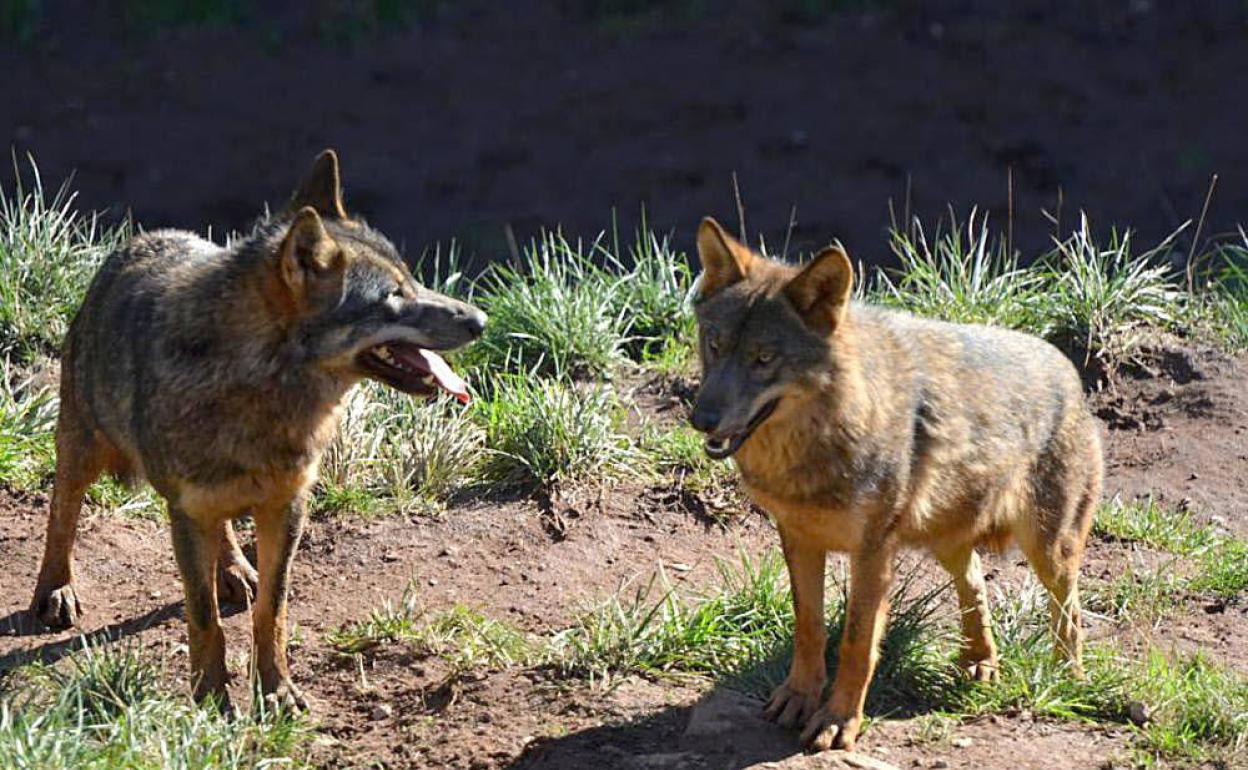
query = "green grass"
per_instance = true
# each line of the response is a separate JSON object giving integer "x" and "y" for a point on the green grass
{"x": 1102, "y": 296}
{"x": 546, "y": 432}
{"x": 1144, "y": 521}
{"x": 27, "y": 422}
{"x": 403, "y": 451}
{"x": 463, "y": 637}
{"x": 1213, "y": 563}
{"x": 963, "y": 274}
{"x": 555, "y": 313}
{"x": 48, "y": 254}
{"x": 108, "y": 707}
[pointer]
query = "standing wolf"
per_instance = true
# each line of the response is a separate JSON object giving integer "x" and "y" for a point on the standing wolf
{"x": 217, "y": 374}
{"x": 863, "y": 431}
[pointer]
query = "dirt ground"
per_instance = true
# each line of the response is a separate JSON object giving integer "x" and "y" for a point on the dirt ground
{"x": 1178, "y": 431}
{"x": 526, "y": 114}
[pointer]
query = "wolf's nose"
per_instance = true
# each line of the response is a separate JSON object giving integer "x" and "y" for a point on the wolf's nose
{"x": 705, "y": 420}
{"x": 474, "y": 321}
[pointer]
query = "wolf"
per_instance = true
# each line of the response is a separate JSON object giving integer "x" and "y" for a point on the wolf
{"x": 217, "y": 374}
{"x": 864, "y": 431}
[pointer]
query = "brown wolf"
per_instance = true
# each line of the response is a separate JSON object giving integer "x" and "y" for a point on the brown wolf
{"x": 863, "y": 430}
{"x": 216, "y": 373}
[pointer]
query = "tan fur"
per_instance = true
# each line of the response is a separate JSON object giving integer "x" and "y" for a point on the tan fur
{"x": 881, "y": 431}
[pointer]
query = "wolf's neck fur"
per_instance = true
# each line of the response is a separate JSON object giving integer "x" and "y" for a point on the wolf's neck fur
{"x": 833, "y": 425}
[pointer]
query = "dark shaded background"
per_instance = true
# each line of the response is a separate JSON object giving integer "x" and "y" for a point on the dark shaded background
{"x": 457, "y": 119}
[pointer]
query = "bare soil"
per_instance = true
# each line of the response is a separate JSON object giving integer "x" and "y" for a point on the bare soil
{"x": 1174, "y": 431}
{"x": 484, "y": 116}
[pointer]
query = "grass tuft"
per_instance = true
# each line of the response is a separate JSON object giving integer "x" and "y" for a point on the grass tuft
{"x": 545, "y": 432}
{"x": 108, "y": 707}
{"x": 48, "y": 254}
{"x": 464, "y": 638}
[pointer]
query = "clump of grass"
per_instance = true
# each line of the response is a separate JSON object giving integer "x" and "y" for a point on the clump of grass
{"x": 545, "y": 432}
{"x": 653, "y": 299}
{"x": 555, "y": 313}
{"x": 399, "y": 449}
{"x": 1101, "y": 297}
{"x": 1200, "y": 711}
{"x": 462, "y": 637}
{"x": 655, "y": 632}
{"x": 1144, "y": 521}
{"x": 27, "y": 423}
{"x": 107, "y": 707}
{"x": 1218, "y": 562}
{"x": 678, "y": 452}
{"x": 48, "y": 254}
{"x": 963, "y": 274}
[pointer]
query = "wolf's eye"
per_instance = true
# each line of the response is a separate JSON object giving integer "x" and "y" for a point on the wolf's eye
{"x": 397, "y": 291}
{"x": 764, "y": 357}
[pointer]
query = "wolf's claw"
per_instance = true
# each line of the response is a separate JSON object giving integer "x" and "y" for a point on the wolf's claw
{"x": 286, "y": 697}
{"x": 789, "y": 706}
{"x": 828, "y": 731}
{"x": 56, "y": 607}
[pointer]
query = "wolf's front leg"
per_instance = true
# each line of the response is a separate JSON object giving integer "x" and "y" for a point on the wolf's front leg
{"x": 277, "y": 537}
{"x": 836, "y": 725}
{"x": 797, "y": 698}
{"x": 196, "y": 546}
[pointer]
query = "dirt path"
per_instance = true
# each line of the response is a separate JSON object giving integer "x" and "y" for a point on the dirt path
{"x": 1177, "y": 435}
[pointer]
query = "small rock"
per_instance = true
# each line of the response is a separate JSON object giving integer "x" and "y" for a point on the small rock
{"x": 433, "y": 581}
{"x": 389, "y": 556}
{"x": 381, "y": 711}
{"x": 938, "y": 764}
{"x": 680, "y": 566}
{"x": 1139, "y": 713}
{"x": 962, "y": 742}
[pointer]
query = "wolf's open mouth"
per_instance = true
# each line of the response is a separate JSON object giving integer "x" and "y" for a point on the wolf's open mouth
{"x": 412, "y": 369}
{"x": 723, "y": 447}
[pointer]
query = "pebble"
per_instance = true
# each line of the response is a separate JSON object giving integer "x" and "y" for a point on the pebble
{"x": 962, "y": 743}
{"x": 381, "y": 711}
{"x": 1139, "y": 713}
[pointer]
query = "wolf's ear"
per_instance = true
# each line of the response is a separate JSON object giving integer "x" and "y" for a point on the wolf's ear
{"x": 820, "y": 293}
{"x": 725, "y": 260}
{"x": 311, "y": 264}
{"x": 322, "y": 189}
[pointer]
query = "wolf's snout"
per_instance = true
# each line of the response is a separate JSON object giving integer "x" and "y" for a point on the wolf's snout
{"x": 472, "y": 319}
{"x": 705, "y": 419}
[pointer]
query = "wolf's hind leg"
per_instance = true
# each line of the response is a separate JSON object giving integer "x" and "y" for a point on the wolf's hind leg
{"x": 237, "y": 581}
{"x": 979, "y": 651}
{"x": 1056, "y": 563}
{"x": 81, "y": 455}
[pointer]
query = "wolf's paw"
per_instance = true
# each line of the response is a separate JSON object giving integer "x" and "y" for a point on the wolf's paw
{"x": 790, "y": 705}
{"x": 826, "y": 730}
{"x": 984, "y": 670}
{"x": 56, "y": 607}
{"x": 286, "y": 697}
{"x": 237, "y": 582}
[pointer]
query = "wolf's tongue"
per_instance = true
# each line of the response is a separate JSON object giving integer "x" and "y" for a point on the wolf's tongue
{"x": 450, "y": 381}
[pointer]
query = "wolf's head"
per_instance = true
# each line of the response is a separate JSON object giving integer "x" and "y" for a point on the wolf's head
{"x": 765, "y": 333}
{"x": 344, "y": 291}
